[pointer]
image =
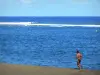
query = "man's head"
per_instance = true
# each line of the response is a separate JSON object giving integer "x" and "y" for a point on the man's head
{"x": 77, "y": 51}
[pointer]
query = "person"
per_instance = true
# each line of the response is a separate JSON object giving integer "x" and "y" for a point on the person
{"x": 79, "y": 58}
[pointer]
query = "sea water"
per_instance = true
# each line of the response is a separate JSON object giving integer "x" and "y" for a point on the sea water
{"x": 50, "y": 46}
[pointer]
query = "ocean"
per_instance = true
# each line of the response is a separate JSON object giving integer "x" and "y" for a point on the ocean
{"x": 53, "y": 20}
{"x": 49, "y": 46}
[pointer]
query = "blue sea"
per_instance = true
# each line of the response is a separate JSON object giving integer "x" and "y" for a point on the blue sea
{"x": 49, "y": 46}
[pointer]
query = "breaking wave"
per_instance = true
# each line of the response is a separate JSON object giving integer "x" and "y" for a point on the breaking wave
{"x": 50, "y": 25}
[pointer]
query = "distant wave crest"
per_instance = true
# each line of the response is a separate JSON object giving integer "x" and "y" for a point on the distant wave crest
{"x": 50, "y": 25}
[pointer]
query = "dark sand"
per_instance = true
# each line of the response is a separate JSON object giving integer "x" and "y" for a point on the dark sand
{"x": 7, "y": 69}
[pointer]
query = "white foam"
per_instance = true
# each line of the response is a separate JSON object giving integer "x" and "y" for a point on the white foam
{"x": 51, "y": 25}
{"x": 15, "y": 23}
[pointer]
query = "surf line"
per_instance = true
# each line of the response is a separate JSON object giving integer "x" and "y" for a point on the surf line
{"x": 40, "y": 24}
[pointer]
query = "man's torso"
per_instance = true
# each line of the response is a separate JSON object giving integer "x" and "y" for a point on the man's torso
{"x": 79, "y": 56}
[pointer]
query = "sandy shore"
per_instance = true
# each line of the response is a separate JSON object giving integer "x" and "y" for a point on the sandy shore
{"x": 7, "y": 69}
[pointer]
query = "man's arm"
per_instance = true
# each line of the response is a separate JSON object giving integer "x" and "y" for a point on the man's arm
{"x": 76, "y": 56}
{"x": 81, "y": 55}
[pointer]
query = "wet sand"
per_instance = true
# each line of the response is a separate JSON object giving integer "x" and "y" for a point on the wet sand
{"x": 9, "y": 69}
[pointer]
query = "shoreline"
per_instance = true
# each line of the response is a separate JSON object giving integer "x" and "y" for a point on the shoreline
{"x": 12, "y": 69}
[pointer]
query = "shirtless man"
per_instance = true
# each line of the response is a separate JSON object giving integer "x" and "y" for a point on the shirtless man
{"x": 79, "y": 58}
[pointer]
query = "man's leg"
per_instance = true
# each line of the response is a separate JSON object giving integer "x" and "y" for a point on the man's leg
{"x": 78, "y": 64}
